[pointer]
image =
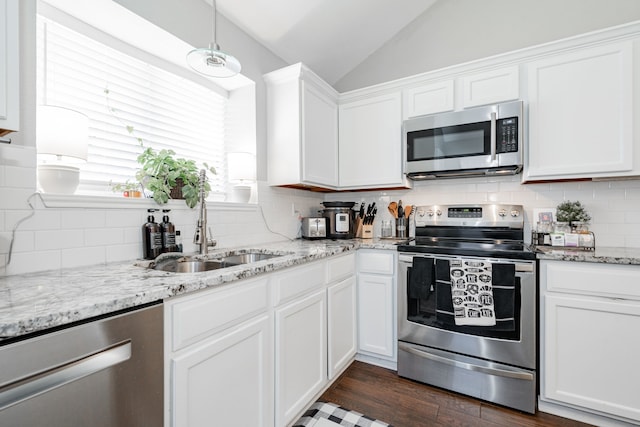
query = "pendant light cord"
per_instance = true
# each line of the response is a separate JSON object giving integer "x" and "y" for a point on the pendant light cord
{"x": 215, "y": 27}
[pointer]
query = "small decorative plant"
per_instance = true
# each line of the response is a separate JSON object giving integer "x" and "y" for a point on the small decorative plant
{"x": 162, "y": 171}
{"x": 128, "y": 189}
{"x": 572, "y": 212}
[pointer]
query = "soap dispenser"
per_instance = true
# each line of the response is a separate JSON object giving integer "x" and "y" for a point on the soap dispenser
{"x": 168, "y": 233}
{"x": 151, "y": 237}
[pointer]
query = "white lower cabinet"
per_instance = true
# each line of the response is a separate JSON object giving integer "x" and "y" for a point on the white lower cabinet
{"x": 257, "y": 352}
{"x": 341, "y": 325}
{"x": 301, "y": 354}
{"x": 376, "y": 305}
{"x": 219, "y": 357}
{"x": 589, "y": 339}
{"x": 226, "y": 380}
{"x": 314, "y": 331}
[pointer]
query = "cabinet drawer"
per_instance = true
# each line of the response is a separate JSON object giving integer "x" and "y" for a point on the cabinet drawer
{"x": 377, "y": 262}
{"x": 607, "y": 280}
{"x": 298, "y": 280}
{"x": 196, "y": 317}
{"x": 341, "y": 267}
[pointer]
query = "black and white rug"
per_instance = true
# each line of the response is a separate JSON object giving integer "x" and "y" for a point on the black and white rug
{"x": 324, "y": 414}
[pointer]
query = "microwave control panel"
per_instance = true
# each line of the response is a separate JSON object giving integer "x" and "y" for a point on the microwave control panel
{"x": 507, "y": 138}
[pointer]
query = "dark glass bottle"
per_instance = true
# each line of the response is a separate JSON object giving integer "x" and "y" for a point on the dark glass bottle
{"x": 151, "y": 238}
{"x": 168, "y": 235}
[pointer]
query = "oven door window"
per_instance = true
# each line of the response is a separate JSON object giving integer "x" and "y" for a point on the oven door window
{"x": 427, "y": 300}
{"x": 470, "y": 139}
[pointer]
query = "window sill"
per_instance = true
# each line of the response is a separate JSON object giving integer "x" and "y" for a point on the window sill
{"x": 105, "y": 202}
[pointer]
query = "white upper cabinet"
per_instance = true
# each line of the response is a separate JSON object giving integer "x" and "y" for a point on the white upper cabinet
{"x": 499, "y": 85}
{"x": 469, "y": 89}
{"x": 371, "y": 142}
{"x": 302, "y": 129}
{"x": 9, "y": 67}
{"x": 426, "y": 99}
{"x": 581, "y": 114}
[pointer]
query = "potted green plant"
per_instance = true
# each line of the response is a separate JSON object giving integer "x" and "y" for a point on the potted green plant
{"x": 163, "y": 172}
{"x": 572, "y": 212}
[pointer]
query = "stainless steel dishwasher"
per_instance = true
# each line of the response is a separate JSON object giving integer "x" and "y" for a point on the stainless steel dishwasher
{"x": 103, "y": 373}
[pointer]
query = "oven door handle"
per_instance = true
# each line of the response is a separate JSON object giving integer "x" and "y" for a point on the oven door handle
{"x": 465, "y": 365}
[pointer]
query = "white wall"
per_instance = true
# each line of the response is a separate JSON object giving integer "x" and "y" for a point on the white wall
{"x": 457, "y": 31}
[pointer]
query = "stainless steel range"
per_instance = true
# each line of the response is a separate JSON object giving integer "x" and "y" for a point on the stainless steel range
{"x": 467, "y": 304}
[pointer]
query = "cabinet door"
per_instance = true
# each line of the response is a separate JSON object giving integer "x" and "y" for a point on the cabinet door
{"x": 301, "y": 354}
{"x": 320, "y": 137}
{"x": 9, "y": 76}
{"x": 226, "y": 380}
{"x": 428, "y": 99}
{"x": 591, "y": 353}
{"x": 341, "y": 325}
{"x": 371, "y": 142}
{"x": 491, "y": 86}
{"x": 376, "y": 315}
{"x": 580, "y": 114}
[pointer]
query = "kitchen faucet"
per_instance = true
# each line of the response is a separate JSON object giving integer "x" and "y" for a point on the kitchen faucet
{"x": 200, "y": 236}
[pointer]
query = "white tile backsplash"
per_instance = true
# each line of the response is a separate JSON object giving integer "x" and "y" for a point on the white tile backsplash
{"x": 614, "y": 205}
{"x": 85, "y": 256}
{"x": 58, "y": 239}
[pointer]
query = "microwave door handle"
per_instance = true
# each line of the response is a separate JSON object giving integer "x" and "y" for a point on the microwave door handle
{"x": 493, "y": 136}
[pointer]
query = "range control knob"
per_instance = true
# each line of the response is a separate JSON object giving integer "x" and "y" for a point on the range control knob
{"x": 421, "y": 212}
{"x": 502, "y": 213}
{"x": 515, "y": 213}
{"x": 430, "y": 212}
{"x": 439, "y": 212}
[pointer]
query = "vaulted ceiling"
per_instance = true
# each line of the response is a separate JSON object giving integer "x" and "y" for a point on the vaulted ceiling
{"x": 330, "y": 36}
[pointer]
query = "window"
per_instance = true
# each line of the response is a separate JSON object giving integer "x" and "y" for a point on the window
{"x": 129, "y": 101}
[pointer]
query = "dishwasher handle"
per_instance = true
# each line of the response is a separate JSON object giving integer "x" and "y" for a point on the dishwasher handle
{"x": 65, "y": 373}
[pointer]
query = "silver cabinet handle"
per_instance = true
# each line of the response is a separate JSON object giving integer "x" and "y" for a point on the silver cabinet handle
{"x": 65, "y": 373}
{"x": 467, "y": 366}
{"x": 493, "y": 136}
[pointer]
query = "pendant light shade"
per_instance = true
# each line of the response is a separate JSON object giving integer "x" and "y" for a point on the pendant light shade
{"x": 211, "y": 61}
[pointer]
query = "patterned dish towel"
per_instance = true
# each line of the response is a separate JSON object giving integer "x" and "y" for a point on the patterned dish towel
{"x": 472, "y": 292}
{"x": 338, "y": 415}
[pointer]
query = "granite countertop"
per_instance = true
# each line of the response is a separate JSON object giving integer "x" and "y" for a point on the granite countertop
{"x": 38, "y": 301}
{"x": 605, "y": 255}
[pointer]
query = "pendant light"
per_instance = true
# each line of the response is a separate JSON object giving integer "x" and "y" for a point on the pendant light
{"x": 211, "y": 61}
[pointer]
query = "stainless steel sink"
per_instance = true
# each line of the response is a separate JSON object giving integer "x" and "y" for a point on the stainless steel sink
{"x": 177, "y": 263}
{"x": 247, "y": 257}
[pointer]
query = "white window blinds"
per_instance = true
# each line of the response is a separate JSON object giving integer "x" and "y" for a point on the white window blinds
{"x": 128, "y": 102}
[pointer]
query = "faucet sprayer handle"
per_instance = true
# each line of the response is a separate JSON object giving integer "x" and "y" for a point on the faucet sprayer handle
{"x": 210, "y": 242}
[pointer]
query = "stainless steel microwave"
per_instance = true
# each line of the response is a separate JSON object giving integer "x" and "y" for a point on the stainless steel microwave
{"x": 485, "y": 140}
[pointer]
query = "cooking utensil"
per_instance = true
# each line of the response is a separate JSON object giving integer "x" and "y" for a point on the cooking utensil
{"x": 393, "y": 208}
{"x": 408, "y": 211}
{"x": 400, "y": 210}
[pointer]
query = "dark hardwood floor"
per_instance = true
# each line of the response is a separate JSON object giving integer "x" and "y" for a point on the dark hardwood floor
{"x": 380, "y": 393}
